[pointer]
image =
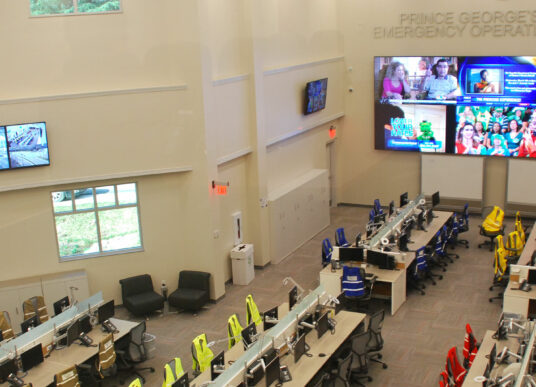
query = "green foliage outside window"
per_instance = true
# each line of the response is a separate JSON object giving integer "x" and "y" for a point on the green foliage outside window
{"x": 59, "y": 7}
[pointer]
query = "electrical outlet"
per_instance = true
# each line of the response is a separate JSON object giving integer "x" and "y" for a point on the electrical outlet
{"x": 216, "y": 234}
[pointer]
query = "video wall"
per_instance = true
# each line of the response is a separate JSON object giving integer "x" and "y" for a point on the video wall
{"x": 23, "y": 145}
{"x": 456, "y": 105}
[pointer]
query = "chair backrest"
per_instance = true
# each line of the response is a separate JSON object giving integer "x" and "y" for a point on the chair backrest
{"x": 234, "y": 329}
{"x": 466, "y": 216}
{"x": 443, "y": 379}
{"x": 359, "y": 343}
{"x": 439, "y": 242}
{"x": 378, "y": 207}
{"x": 327, "y": 249}
{"x": 136, "y": 383}
{"x": 500, "y": 261}
{"x": 340, "y": 238}
{"x": 343, "y": 369}
{"x": 35, "y": 305}
{"x": 252, "y": 312}
{"x": 494, "y": 220}
{"x": 514, "y": 244}
{"x": 172, "y": 371}
{"x": 136, "y": 349}
{"x": 5, "y": 326}
{"x": 67, "y": 378}
{"x": 375, "y": 328}
{"x": 454, "y": 368}
{"x": 136, "y": 285}
{"x": 469, "y": 347}
{"x": 106, "y": 357}
{"x": 352, "y": 282}
{"x": 420, "y": 257}
{"x": 521, "y": 231}
{"x": 191, "y": 279}
{"x": 201, "y": 354}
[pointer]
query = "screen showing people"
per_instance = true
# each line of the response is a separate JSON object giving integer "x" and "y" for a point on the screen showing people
{"x": 456, "y": 105}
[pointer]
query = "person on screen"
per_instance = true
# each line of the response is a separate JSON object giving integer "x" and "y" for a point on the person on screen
{"x": 495, "y": 130}
{"x": 484, "y": 86}
{"x": 395, "y": 85}
{"x": 527, "y": 147}
{"x": 513, "y": 137}
{"x": 499, "y": 117}
{"x": 466, "y": 143}
{"x": 498, "y": 148}
{"x": 480, "y": 132}
{"x": 519, "y": 114}
{"x": 442, "y": 85}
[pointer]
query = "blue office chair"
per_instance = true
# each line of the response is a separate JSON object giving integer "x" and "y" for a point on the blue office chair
{"x": 423, "y": 260}
{"x": 378, "y": 207}
{"x": 440, "y": 245}
{"x": 357, "y": 294}
{"x": 463, "y": 226}
{"x": 340, "y": 238}
{"x": 371, "y": 216}
{"x": 327, "y": 249}
{"x": 452, "y": 235}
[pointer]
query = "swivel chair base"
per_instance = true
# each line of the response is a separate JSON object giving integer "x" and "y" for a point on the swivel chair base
{"x": 376, "y": 358}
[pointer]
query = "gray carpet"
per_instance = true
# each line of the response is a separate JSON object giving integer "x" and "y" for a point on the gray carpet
{"x": 417, "y": 337}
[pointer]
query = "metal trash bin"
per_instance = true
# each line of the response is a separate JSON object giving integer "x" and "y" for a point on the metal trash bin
{"x": 242, "y": 262}
{"x": 149, "y": 345}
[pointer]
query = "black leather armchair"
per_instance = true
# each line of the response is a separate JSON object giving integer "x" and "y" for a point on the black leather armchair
{"x": 193, "y": 291}
{"x": 138, "y": 295}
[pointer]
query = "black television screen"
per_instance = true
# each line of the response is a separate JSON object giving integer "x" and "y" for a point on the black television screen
{"x": 4, "y": 158}
{"x": 456, "y": 105}
{"x": 315, "y": 95}
{"x": 27, "y": 145}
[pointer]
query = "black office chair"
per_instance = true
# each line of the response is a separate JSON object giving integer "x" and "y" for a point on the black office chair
{"x": 340, "y": 373}
{"x": 375, "y": 345}
{"x": 359, "y": 366}
{"x": 193, "y": 290}
{"x": 133, "y": 353}
{"x": 463, "y": 226}
{"x": 414, "y": 279}
{"x": 139, "y": 296}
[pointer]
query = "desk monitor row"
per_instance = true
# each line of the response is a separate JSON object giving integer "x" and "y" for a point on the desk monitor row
{"x": 377, "y": 258}
{"x": 29, "y": 359}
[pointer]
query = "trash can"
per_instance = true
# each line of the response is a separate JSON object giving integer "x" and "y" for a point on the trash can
{"x": 242, "y": 261}
{"x": 149, "y": 345}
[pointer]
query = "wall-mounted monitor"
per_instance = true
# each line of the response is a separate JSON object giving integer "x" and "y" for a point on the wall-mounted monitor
{"x": 315, "y": 95}
{"x": 23, "y": 145}
{"x": 456, "y": 105}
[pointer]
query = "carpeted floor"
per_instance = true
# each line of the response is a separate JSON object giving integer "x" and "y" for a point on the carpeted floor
{"x": 417, "y": 337}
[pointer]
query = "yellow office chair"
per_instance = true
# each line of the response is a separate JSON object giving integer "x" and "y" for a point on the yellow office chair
{"x": 519, "y": 227}
{"x": 172, "y": 372}
{"x": 105, "y": 362}
{"x": 5, "y": 326}
{"x": 201, "y": 354}
{"x": 67, "y": 378}
{"x": 514, "y": 246}
{"x": 136, "y": 383}
{"x": 492, "y": 226}
{"x": 35, "y": 305}
{"x": 500, "y": 268}
{"x": 234, "y": 330}
{"x": 252, "y": 312}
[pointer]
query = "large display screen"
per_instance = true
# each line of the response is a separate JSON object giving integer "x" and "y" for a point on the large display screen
{"x": 23, "y": 145}
{"x": 456, "y": 105}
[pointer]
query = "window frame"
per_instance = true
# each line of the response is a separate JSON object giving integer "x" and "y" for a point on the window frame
{"x": 75, "y": 11}
{"x": 96, "y": 210}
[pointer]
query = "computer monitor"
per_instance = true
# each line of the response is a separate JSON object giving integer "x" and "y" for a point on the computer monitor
{"x": 249, "y": 334}
{"x": 299, "y": 348}
{"x": 292, "y": 297}
{"x": 106, "y": 311}
{"x": 421, "y": 219}
{"x": 32, "y": 357}
{"x": 32, "y": 322}
{"x": 271, "y": 362}
{"x": 379, "y": 218}
{"x": 1, "y": 336}
{"x": 391, "y": 208}
{"x": 347, "y": 254}
{"x": 61, "y": 305}
{"x": 532, "y": 276}
{"x": 492, "y": 356}
{"x": 486, "y": 375}
{"x": 403, "y": 241}
{"x": 270, "y": 314}
{"x": 404, "y": 199}
{"x": 435, "y": 199}
{"x": 308, "y": 318}
{"x": 217, "y": 365}
{"x": 533, "y": 258}
{"x": 73, "y": 332}
{"x": 382, "y": 260}
{"x": 357, "y": 239}
{"x": 182, "y": 381}
{"x": 85, "y": 324}
{"x": 7, "y": 368}
{"x": 255, "y": 372}
{"x": 322, "y": 325}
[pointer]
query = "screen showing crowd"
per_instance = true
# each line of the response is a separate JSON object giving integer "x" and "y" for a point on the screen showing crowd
{"x": 456, "y": 105}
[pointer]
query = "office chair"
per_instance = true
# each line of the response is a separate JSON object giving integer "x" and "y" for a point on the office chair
{"x": 492, "y": 226}
{"x": 359, "y": 372}
{"x": 172, "y": 372}
{"x": 414, "y": 278}
{"x": 201, "y": 354}
{"x": 470, "y": 347}
{"x": 35, "y": 305}
{"x": 375, "y": 344}
{"x": 5, "y": 326}
{"x": 136, "y": 383}
{"x": 424, "y": 261}
{"x": 135, "y": 352}
{"x": 514, "y": 246}
{"x": 357, "y": 295}
{"x": 463, "y": 226}
{"x": 327, "y": 250}
{"x": 104, "y": 365}
{"x": 500, "y": 268}
{"x": 456, "y": 373}
{"x": 234, "y": 329}
{"x": 439, "y": 248}
{"x": 340, "y": 374}
{"x": 139, "y": 296}
{"x": 252, "y": 312}
{"x": 521, "y": 231}
{"x": 444, "y": 379}
{"x": 67, "y": 378}
{"x": 378, "y": 207}
{"x": 453, "y": 231}
{"x": 340, "y": 238}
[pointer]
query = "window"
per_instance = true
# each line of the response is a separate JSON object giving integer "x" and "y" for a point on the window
{"x": 73, "y": 7}
{"x": 97, "y": 221}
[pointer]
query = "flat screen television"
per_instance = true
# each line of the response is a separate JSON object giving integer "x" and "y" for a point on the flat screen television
{"x": 23, "y": 145}
{"x": 456, "y": 105}
{"x": 315, "y": 95}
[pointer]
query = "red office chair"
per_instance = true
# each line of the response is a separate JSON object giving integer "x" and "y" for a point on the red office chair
{"x": 454, "y": 369}
{"x": 470, "y": 347}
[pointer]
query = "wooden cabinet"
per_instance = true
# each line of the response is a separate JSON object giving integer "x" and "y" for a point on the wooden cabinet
{"x": 51, "y": 286}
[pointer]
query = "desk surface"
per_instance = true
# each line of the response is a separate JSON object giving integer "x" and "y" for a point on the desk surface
{"x": 421, "y": 238}
{"x": 59, "y": 360}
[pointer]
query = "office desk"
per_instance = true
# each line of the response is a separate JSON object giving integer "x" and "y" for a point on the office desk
{"x": 59, "y": 360}
{"x": 389, "y": 283}
{"x": 480, "y": 361}
{"x": 307, "y": 367}
{"x": 530, "y": 245}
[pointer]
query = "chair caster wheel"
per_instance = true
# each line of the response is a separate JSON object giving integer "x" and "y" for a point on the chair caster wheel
{"x": 369, "y": 379}
{"x": 385, "y": 366}
{"x": 440, "y": 277}
{"x": 379, "y": 356}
